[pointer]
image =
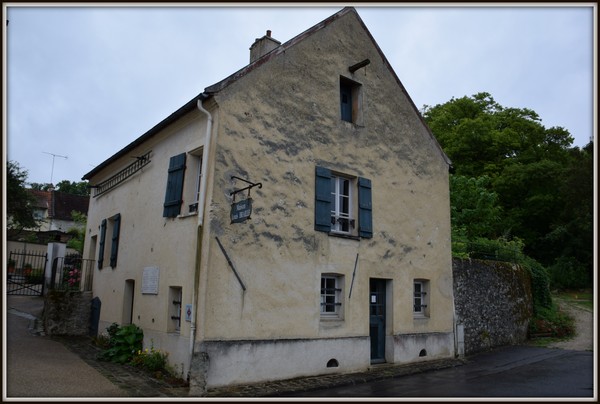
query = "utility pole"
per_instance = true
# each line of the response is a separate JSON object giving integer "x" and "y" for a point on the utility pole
{"x": 53, "y": 157}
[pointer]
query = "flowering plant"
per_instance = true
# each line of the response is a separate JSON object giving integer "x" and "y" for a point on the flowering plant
{"x": 73, "y": 277}
{"x": 150, "y": 359}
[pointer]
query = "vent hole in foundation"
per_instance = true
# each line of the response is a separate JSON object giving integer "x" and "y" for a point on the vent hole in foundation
{"x": 423, "y": 352}
{"x": 332, "y": 363}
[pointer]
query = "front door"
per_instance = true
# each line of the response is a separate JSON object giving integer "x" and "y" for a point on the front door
{"x": 377, "y": 319}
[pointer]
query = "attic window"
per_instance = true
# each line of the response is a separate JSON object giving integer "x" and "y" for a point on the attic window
{"x": 351, "y": 101}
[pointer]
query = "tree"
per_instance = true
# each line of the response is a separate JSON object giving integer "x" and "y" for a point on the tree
{"x": 19, "y": 202}
{"x": 474, "y": 209}
{"x": 78, "y": 232}
{"x": 65, "y": 186}
{"x": 544, "y": 187}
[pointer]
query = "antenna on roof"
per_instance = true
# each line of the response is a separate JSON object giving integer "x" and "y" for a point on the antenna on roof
{"x": 53, "y": 157}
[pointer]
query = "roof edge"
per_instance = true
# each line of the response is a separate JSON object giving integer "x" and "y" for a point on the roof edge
{"x": 187, "y": 107}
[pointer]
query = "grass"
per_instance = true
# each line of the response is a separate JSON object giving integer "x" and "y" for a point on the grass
{"x": 581, "y": 298}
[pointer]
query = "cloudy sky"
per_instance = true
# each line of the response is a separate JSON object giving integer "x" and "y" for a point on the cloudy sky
{"x": 83, "y": 82}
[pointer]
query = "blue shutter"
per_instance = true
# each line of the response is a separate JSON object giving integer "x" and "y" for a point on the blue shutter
{"x": 323, "y": 199}
{"x": 101, "y": 247}
{"x": 346, "y": 102}
{"x": 365, "y": 208}
{"x": 115, "y": 240}
{"x": 173, "y": 195}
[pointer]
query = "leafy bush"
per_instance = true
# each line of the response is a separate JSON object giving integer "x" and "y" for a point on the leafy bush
{"x": 552, "y": 321}
{"x": 124, "y": 342}
{"x": 152, "y": 359}
{"x": 568, "y": 273}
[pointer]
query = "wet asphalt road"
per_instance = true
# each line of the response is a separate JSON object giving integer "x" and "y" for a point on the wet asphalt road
{"x": 511, "y": 372}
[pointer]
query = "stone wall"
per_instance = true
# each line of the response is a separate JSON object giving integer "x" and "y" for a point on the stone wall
{"x": 493, "y": 302}
{"x": 67, "y": 312}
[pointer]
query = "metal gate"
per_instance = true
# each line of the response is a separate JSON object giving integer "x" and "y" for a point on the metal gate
{"x": 26, "y": 273}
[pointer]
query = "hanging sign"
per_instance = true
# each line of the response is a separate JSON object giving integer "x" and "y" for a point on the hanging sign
{"x": 241, "y": 211}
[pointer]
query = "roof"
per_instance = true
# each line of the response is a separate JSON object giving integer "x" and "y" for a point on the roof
{"x": 60, "y": 204}
{"x": 215, "y": 88}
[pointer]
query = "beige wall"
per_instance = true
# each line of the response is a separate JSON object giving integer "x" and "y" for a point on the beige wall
{"x": 147, "y": 239}
{"x": 278, "y": 254}
{"x": 278, "y": 142}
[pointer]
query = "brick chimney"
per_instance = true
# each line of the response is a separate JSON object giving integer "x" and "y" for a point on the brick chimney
{"x": 262, "y": 46}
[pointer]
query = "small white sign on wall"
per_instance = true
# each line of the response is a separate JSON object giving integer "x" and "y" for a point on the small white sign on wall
{"x": 150, "y": 281}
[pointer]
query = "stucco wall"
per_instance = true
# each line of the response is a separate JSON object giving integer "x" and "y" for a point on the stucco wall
{"x": 493, "y": 302}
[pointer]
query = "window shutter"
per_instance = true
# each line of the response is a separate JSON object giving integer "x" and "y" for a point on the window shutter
{"x": 115, "y": 241}
{"x": 101, "y": 247}
{"x": 323, "y": 199}
{"x": 173, "y": 195}
{"x": 365, "y": 208}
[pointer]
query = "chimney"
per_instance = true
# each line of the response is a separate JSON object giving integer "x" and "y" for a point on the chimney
{"x": 262, "y": 46}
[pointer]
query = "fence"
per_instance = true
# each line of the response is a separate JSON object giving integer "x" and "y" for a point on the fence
{"x": 72, "y": 272}
{"x": 25, "y": 273}
{"x": 488, "y": 252}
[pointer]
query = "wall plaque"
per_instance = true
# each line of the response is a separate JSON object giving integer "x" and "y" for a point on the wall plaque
{"x": 150, "y": 281}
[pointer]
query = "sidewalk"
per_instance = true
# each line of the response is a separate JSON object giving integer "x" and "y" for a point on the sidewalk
{"x": 41, "y": 366}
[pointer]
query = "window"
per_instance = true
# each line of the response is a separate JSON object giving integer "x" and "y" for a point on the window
{"x": 342, "y": 216}
{"x": 331, "y": 293}
{"x": 351, "y": 101}
{"x": 194, "y": 179}
{"x": 421, "y": 288}
{"x": 183, "y": 185}
{"x": 343, "y": 204}
{"x": 111, "y": 226}
{"x": 174, "y": 309}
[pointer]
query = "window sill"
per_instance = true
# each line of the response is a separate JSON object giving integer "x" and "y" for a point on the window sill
{"x": 417, "y": 316}
{"x": 331, "y": 319}
{"x": 344, "y": 235}
{"x": 185, "y": 215}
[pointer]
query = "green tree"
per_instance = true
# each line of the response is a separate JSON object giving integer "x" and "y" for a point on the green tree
{"x": 73, "y": 188}
{"x": 19, "y": 202}
{"x": 543, "y": 185}
{"x": 77, "y": 232}
{"x": 474, "y": 208}
{"x": 65, "y": 186}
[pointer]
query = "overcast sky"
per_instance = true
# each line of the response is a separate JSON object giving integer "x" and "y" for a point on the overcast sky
{"x": 83, "y": 82}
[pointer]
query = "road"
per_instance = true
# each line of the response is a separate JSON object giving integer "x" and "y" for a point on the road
{"x": 509, "y": 372}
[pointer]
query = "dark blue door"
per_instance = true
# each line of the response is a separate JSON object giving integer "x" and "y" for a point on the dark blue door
{"x": 377, "y": 319}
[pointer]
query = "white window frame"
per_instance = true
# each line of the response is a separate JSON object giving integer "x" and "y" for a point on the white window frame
{"x": 420, "y": 298}
{"x": 339, "y": 215}
{"x": 327, "y": 293}
{"x": 193, "y": 177}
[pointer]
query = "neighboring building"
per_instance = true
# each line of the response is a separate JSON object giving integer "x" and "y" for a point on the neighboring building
{"x": 345, "y": 259}
{"x": 53, "y": 212}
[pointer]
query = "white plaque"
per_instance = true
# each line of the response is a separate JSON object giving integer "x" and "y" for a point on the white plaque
{"x": 150, "y": 281}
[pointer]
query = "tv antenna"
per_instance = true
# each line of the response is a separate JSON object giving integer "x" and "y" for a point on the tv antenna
{"x": 53, "y": 157}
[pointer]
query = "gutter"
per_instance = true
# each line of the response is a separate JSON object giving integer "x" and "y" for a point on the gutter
{"x": 201, "y": 210}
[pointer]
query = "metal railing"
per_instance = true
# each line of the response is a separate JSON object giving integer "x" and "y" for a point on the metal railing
{"x": 485, "y": 252}
{"x": 122, "y": 175}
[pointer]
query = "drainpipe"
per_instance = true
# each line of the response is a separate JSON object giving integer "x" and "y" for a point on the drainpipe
{"x": 201, "y": 202}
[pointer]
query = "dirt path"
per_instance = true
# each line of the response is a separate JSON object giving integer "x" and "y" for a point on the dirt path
{"x": 584, "y": 326}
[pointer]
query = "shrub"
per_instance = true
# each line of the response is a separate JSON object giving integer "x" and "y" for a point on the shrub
{"x": 152, "y": 359}
{"x": 124, "y": 343}
{"x": 568, "y": 273}
{"x": 552, "y": 321}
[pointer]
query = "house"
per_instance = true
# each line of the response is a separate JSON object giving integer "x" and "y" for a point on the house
{"x": 53, "y": 212}
{"x": 293, "y": 219}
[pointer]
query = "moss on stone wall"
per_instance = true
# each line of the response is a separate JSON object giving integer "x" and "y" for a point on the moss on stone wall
{"x": 493, "y": 301}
